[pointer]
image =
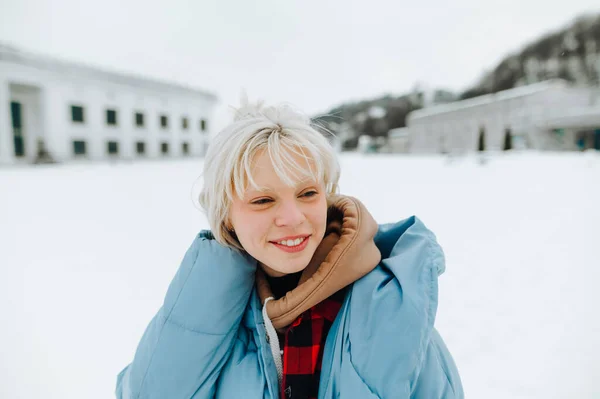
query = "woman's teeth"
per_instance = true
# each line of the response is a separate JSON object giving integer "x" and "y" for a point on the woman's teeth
{"x": 291, "y": 243}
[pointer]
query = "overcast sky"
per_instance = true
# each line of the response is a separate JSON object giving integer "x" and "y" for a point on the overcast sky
{"x": 314, "y": 54}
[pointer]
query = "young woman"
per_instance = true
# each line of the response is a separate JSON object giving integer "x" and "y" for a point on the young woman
{"x": 296, "y": 292}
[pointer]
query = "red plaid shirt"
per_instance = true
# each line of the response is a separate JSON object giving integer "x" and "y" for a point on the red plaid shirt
{"x": 303, "y": 345}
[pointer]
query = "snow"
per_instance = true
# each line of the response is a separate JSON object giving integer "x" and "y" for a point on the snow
{"x": 87, "y": 252}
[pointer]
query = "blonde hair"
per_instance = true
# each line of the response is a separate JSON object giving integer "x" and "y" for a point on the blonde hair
{"x": 280, "y": 131}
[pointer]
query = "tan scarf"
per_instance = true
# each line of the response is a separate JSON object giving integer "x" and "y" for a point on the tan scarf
{"x": 346, "y": 254}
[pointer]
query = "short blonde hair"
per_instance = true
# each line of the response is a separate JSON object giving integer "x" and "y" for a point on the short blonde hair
{"x": 280, "y": 131}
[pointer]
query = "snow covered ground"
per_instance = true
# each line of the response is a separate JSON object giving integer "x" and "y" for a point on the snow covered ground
{"x": 87, "y": 251}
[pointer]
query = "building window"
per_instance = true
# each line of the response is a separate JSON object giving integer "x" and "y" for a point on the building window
{"x": 17, "y": 125}
{"x": 113, "y": 148}
{"x": 203, "y": 125}
{"x": 140, "y": 147}
{"x": 508, "y": 142}
{"x": 184, "y": 123}
{"x": 79, "y": 147}
{"x": 111, "y": 117}
{"x": 185, "y": 148}
{"x": 481, "y": 141}
{"x": 77, "y": 114}
{"x": 164, "y": 148}
{"x": 164, "y": 121}
{"x": 139, "y": 119}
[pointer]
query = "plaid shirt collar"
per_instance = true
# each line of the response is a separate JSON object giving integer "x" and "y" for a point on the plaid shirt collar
{"x": 303, "y": 346}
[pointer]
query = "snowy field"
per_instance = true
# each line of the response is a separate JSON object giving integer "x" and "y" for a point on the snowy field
{"x": 87, "y": 252}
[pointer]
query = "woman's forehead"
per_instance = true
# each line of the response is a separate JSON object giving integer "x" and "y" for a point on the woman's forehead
{"x": 267, "y": 173}
{"x": 294, "y": 170}
{"x": 263, "y": 158}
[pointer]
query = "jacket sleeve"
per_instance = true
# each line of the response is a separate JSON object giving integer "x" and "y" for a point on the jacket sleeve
{"x": 187, "y": 342}
{"x": 394, "y": 320}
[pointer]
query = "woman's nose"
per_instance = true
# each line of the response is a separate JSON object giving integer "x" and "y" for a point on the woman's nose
{"x": 289, "y": 214}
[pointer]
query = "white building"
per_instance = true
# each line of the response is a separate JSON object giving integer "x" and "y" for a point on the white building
{"x": 70, "y": 111}
{"x": 398, "y": 140}
{"x": 551, "y": 115}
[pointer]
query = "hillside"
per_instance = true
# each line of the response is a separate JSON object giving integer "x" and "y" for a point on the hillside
{"x": 571, "y": 53}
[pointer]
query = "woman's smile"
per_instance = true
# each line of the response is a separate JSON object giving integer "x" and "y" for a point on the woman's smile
{"x": 292, "y": 245}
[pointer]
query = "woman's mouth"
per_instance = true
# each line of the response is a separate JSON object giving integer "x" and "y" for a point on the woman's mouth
{"x": 292, "y": 245}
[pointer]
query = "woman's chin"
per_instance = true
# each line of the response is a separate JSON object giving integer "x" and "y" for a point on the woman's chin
{"x": 292, "y": 267}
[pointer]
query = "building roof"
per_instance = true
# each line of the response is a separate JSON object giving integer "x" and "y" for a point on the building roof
{"x": 517, "y": 92}
{"x": 17, "y": 56}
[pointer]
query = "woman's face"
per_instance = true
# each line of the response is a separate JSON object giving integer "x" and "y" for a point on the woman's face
{"x": 280, "y": 226}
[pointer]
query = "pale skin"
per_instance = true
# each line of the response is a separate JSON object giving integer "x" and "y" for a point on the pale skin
{"x": 278, "y": 225}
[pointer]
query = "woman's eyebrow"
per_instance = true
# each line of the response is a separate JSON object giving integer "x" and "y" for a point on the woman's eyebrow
{"x": 258, "y": 191}
{"x": 266, "y": 190}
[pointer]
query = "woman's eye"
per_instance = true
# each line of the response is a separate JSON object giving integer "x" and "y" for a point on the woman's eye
{"x": 309, "y": 194}
{"x": 261, "y": 201}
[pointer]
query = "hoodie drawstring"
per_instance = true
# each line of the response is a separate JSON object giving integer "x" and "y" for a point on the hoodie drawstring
{"x": 273, "y": 341}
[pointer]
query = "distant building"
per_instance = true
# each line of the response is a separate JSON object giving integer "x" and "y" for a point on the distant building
{"x": 551, "y": 115}
{"x": 398, "y": 140}
{"x": 55, "y": 110}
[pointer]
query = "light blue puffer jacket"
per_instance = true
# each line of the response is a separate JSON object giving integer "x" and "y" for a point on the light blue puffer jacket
{"x": 208, "y": 339}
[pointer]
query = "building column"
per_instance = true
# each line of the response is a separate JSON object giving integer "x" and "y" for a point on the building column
{"x": 6, "y": 133}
